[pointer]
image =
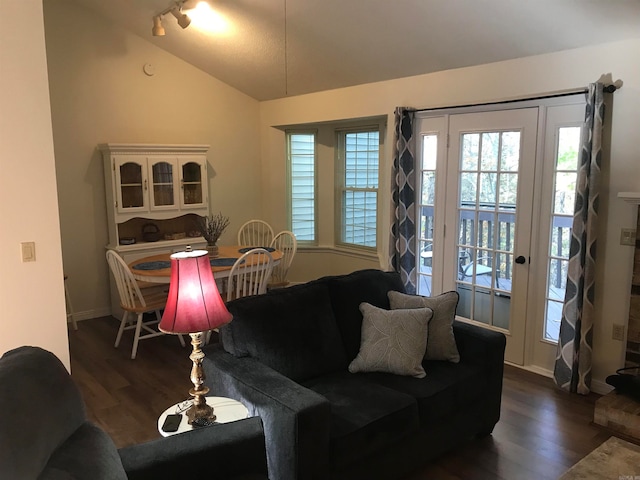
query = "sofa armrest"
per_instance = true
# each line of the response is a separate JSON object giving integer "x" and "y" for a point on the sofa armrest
{"x": 479, "y": 344}
{"x": 485, "y": 347}
{"x": 230, "y": 450}
{"x": 296, "y": 419}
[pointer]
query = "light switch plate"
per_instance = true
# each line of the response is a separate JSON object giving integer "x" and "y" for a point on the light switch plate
{"x": 28, "y": 251}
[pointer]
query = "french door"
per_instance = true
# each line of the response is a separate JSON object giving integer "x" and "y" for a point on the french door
{"x": 489, "y": 185}
{"x": 490, "y": 201}
{"x": 476, "y": 216}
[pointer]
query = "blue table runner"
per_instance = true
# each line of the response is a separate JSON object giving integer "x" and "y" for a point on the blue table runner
{"x": 247, "y": 249}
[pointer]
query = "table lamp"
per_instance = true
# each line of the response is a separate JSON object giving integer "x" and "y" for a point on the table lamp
{"x": 194, "y": 306}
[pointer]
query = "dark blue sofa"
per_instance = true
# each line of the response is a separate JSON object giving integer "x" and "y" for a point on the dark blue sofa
{"x": 285, "y": 356}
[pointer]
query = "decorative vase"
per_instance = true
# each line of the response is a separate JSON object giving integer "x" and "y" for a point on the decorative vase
{"x": 213, "y": 251}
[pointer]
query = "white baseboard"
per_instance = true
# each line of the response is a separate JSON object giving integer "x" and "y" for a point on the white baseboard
{"x": 597, "y": 386}
{"x": 534, "y": 369}
{"x": 89, "y": 314}
{"x": 600, "y": 387}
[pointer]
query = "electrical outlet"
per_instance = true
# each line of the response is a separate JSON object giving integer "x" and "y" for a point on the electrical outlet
{"x": 628, "y": 236}
{"x": 617, "y": 332}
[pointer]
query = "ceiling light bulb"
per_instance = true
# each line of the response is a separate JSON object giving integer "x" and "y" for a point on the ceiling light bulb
{"x": 157, "y": 30}
{"x": 183, "y": 20}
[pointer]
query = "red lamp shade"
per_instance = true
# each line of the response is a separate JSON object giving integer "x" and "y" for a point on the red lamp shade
{"x": 194, "y": 303}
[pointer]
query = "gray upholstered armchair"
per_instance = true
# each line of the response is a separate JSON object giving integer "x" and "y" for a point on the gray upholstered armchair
{"x": 45, "y": 434}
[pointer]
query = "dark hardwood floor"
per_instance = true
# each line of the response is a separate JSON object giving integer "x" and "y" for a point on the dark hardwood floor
{"x": 542, "y": 431}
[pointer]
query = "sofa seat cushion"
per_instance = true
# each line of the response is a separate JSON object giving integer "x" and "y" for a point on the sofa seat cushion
{"x": 365, "y": 418}
{"x": 292, "y": 330}
{"x": 87, "y": 454}
{"x": 447, "y": 388}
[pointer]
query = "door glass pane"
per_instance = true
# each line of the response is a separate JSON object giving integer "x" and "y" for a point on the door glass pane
{"x": 565, "y": 192}
{"x": 490, "y": 147}
{"x": 192, "y": 183}
{"x": 428, "y": 187}
{"x": 426, "y": 209}
{"x": 553, "y": 317}
{"x": 467, "y": 227}
{"x": 565, "y": 176}
{"x": 510, "y": 153}
{"x": 486, "y": 225}
{"x": 508, "y": 188}
{"x": 488, "y": 189}
{"x": 557, "y": 280}
{"x": 470, "y": 143}
{"x": 131, "y": 185}
{"x": 482, "y": 306}
{"x": 162, "y": 173}
{"x": 468, "y": 187}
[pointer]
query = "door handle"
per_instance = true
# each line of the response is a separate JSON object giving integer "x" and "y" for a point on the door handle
{"x": 520, "y": 259}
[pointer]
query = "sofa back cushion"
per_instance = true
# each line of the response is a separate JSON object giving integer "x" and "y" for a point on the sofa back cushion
{"x": 349, "y": 291}
{"x": 292, "y": 330}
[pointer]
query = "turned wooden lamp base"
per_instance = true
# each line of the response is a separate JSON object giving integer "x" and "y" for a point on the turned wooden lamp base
{"x": 199, "y": 414}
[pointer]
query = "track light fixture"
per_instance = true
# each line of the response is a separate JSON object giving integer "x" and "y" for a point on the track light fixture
{"x": 183, "y": 19}
{"x": 158, "y": 29}
{"x": 176, "y": 10}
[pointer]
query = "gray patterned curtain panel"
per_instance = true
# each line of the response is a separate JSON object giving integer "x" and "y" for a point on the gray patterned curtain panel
{"x": 402, "y": 243}
{"x": 572, "y": 370}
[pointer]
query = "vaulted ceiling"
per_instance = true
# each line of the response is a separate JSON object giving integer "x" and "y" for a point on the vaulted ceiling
{"x": 276, "y": 48}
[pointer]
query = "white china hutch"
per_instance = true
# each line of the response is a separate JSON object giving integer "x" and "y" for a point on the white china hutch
{"x": 154, "y": 194}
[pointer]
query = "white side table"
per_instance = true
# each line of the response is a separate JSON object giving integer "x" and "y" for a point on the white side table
{"x": 225, "y": 410}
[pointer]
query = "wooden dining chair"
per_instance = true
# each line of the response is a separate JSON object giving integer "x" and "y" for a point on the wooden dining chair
{"x": 71, "y": 314}
{"x": 250, "y": 274}
{"x": 255, "y": 233}
{"x": 135, "y": 304}
{"x": 287, "y": 243}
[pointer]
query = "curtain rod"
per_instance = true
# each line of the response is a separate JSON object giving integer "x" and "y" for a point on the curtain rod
{"x": 607, "y": 89}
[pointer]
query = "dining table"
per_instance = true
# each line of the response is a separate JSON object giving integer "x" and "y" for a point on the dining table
{"x": 157, "y": 268}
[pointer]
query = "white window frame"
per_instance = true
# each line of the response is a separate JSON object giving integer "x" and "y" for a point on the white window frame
{"x": 341, "y": 188}
{"x": 288, "y": 135}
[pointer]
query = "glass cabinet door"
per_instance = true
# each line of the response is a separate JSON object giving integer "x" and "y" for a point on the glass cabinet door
{"x": 131, "y": 186}
{"x": 162, "y": 184}
{"x": 193, "y": 175}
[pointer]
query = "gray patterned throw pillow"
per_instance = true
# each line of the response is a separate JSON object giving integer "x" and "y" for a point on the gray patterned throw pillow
{"x": 441, "y": 343}
{"x": 393, "y": 341}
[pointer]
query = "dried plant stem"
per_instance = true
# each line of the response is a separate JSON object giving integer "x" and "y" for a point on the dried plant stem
{"x": 212, "y": 227}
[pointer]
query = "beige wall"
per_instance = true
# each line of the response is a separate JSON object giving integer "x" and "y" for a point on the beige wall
{"x": 493, "y": 82}
{"x": 31, "y": 294}
{"x": 99, "y": 93}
